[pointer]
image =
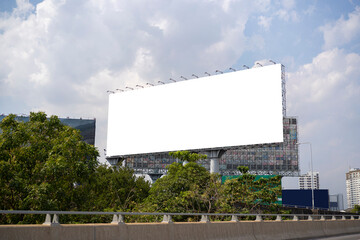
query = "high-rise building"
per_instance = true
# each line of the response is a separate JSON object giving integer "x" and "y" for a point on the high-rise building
{"x": 269, "y": 159}
{"x": 353, "y": 187}
{"x": 306, "y": 183}
{"x": 336, "y": 202}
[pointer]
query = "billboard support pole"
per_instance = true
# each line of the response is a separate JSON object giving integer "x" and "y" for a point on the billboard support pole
{"x": 214, "y": 165}
{"x": 214, "y": 156}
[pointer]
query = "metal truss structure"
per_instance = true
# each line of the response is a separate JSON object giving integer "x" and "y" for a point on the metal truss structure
{"x": 283, "y": 86}
{"x": 269, "y": 159}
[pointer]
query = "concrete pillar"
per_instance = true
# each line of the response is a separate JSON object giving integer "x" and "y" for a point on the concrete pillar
{"x": 47, "y": 220}
{"x": 118, "y": 219}
{"x": 167, "y": 219}
{"x": 214, "y": 165}
{"x": 205, "y": 218}
{"x": 55, "y": 220}
{"x": 234, "y": 218}
{"x": 258, "y": 218}
{"x": 214, "y": 156}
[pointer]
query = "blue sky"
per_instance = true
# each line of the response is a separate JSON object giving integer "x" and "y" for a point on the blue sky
{"x": 62, "y": 56}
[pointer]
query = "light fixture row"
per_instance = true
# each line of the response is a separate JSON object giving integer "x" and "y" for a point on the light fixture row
{"x": 182, "y": 77}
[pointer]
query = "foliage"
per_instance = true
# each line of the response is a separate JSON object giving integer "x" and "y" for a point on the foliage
{"x": 246, "y": 194}
{"x": 356, "y": 209}
{"x": 45, "y": 165}
{"x": 117, "y": 189}
{"x": 187, "y": 156}
{"x": 191, "y": 188}
{"x": 187, "y": 187}
{"x": 180, "y": 190}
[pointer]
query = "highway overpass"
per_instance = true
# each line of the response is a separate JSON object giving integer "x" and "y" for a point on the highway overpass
{"x": 312, "y": 226}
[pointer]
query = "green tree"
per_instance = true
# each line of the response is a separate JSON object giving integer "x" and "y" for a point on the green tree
{"x": 247, "y": 194}
{"x": 44, "y": 165}
{"x": 117, "y": 189}
{"x": 182, "y": 189}
{"x": 356, "y": 209}
{"x": 187, "y": 156}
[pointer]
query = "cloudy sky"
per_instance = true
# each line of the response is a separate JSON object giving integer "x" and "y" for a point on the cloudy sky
{"x": 61, "y": 57}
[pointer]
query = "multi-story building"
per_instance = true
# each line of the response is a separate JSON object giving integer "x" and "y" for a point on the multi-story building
{"x": 269, "y": 159}
{"x": 353, "y": 187}
{"x": 276, "y": 159}
{"x": 306, "y": 183}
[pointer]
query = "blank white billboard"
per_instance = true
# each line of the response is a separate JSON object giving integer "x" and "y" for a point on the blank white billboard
{"x": 224, "y": 110}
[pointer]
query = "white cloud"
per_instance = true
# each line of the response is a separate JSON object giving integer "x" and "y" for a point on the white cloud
{"x": 288, "y": 4}
{"x": 325, "y": 94}
{"x": 65, "y": 55}
{"x": 342, "y": 31}
{"x": 265, "y": 22}
{"x": 310, "y": 10}
{"x": 330, "y": 73}
{"x": 23, "y": 8}
{"x": 287, "y": 15}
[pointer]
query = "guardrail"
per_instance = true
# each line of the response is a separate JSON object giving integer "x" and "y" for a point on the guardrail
{"x": 52, "y": 217}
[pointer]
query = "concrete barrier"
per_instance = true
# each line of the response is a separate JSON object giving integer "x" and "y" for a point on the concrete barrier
{"x": 183, "y": 231}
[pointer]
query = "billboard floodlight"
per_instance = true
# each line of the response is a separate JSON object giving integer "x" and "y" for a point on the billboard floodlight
{"x": 195, "y": 76}
{"x": 232, "y": 69}
{"x": 207, "y": 73}
{"x": 150, "y": 84}
{"x": 161, "y": 82}
{"x": 172, "y": 79}
{"x": 183, "y": 77}
{"x": 218, "y": 71}
{"x": 139, "y": 86}
{"x": 130, "y": 88}
{"x": 259, "y": 64}
{"x": 272, "y": 61}
{"x": 244, "y": 66}
{"x": 108, "y": 91}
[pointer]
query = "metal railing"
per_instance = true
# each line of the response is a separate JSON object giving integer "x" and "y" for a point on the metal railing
{"x": 52, "y": 217}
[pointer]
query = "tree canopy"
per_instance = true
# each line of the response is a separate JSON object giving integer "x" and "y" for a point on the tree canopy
{"x": 45, "y": 165}
{"x": 180, "y": 190}
{"x": 247, "y": 194}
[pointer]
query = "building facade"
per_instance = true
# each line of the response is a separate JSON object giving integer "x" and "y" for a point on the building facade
{"x": 269, "y": 159}
{"x": 336, "y": 202}
{"x": 353, "y": 187}
{"x": 85, "y": 126}
{"x": 305, "y": 181}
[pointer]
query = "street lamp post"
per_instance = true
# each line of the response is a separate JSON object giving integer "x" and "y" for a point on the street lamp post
{"x": 312, "y": 175}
